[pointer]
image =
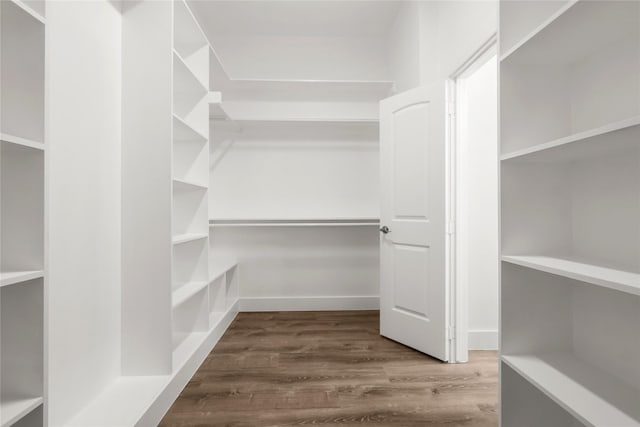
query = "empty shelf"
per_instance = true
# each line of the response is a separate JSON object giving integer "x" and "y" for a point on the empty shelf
{"x": 220, "y": 266}
{"x": 186, "y": 291}
{"x": 607, "y": 277}
{"x": 13, "y": 409}
{"x": 185, "y": 238}
{"x": 12, "y": 277}
{"x": 183, "y": 131}
{"x": 589, "y": 394}
{"x": 22, "y": 141}
{"x": 186, "y": 80}
{"x": 620, "y": 134}
{"x": 182, "y": 184}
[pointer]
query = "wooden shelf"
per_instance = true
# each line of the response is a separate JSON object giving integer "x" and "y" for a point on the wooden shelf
{"x": 589, "y": 394}
{"x": 186, "y": 291}
{"x": 22, "y": 141}
{"x": 563, "y": 38}
{"x": 290, "y": 222}
{"x": 186, "y": 238}
{"x": 13, "y": 409}
{"x": 184, "y": 132}
{"x": 220, "y": 266}
{"x": 12, "y": 277}
{"x": 185, "y": 185}
{"x": 628, "y": 130}
{"x": 606, "y": 277}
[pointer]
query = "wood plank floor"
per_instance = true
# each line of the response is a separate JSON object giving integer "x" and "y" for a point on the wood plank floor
{"x": 331, "y": 368}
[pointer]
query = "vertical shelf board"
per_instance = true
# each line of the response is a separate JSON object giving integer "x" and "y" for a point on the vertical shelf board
{"x": 22, "y": 208}
{"x": 233, "y": 289}
{"x": 217, "y": 299}
{"x": 22, "y": 344}
{"x": 22, "y": 72}
{"x": 147, "y": 140}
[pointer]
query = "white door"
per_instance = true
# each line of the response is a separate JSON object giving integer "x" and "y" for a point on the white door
{"x": 413, "y": 288}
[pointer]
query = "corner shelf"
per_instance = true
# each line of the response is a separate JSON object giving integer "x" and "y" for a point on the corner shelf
{"x": 186, "y": 291}
{"x": 589, "y": 394}
{"x": 13, "y": 409}
{"x": 598, "y": 135}
{"x": 37, "y": 145}
{"x": 186, "y": 238}
{"x": 12, "y": 277}
{"x": 601, "y": 276}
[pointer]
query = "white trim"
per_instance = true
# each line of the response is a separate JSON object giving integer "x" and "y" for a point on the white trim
{"x": 309, "y": 303}
{"x": 483, "y": 339}
{"x": 458, "y": 293}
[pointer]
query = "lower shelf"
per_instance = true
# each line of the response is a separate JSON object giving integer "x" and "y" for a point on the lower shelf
{"x": 186, "y": 291}
{"x": 589, "y": 394}
{"x": 14, "y": 409}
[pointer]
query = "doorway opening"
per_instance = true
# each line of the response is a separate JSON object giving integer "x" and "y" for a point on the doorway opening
{"x": 473, "y": 201}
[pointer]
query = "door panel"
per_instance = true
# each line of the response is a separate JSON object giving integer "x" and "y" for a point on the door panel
{"x": 413, "y": 294}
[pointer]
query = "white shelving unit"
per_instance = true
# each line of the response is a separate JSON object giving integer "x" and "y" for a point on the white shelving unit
{"x": 22, "y": 210}
{"x": 570, "y": 190}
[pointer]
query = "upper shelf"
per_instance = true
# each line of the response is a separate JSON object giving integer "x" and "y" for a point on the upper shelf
{"x": 624, "y": 134}
{"x": 188, "y": 35}
{"x": 619, "y": 280}
{"x": 564, "y": 38}
{"x": 12, "y": 277}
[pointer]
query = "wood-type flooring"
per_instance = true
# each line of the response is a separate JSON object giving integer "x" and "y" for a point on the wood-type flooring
{"x": 331, "y": 369}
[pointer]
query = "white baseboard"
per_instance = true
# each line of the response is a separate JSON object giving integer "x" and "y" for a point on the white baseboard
{"x": 309, "y": 303}
{"x": 483, "y": 339}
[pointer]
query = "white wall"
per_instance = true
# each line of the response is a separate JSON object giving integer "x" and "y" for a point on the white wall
{"x": 83, "y": 302}
{"x": 303, "y": 57}
{"x": 403, "y": 47}
{"x": 477, "y": 202}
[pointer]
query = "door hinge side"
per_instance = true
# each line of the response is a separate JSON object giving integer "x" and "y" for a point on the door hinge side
{"x": 451, "y": 108}
{"x": 451, "y": 226}
{"x": 451, "y": 333}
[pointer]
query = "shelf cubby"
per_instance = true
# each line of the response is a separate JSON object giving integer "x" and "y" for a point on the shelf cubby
{"x": 217, "y": 299}
{"x": 574, "y": 77}
{"x": 560, "y": 334}
{"x": 22, "y": 73}
{"x": 22, "y": 352}
{"x": 22, "y": 209}
{"x": 190, "y": 263}
{"x": 576, "y": 203}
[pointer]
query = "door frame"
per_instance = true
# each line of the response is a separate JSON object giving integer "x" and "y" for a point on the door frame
{"x": 458, "y": 291}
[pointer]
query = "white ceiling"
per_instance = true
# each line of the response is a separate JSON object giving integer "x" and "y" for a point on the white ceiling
{"x": 295, "y": 18}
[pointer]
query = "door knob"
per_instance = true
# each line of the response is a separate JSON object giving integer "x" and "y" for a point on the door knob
{"x": 384, "y": 229}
